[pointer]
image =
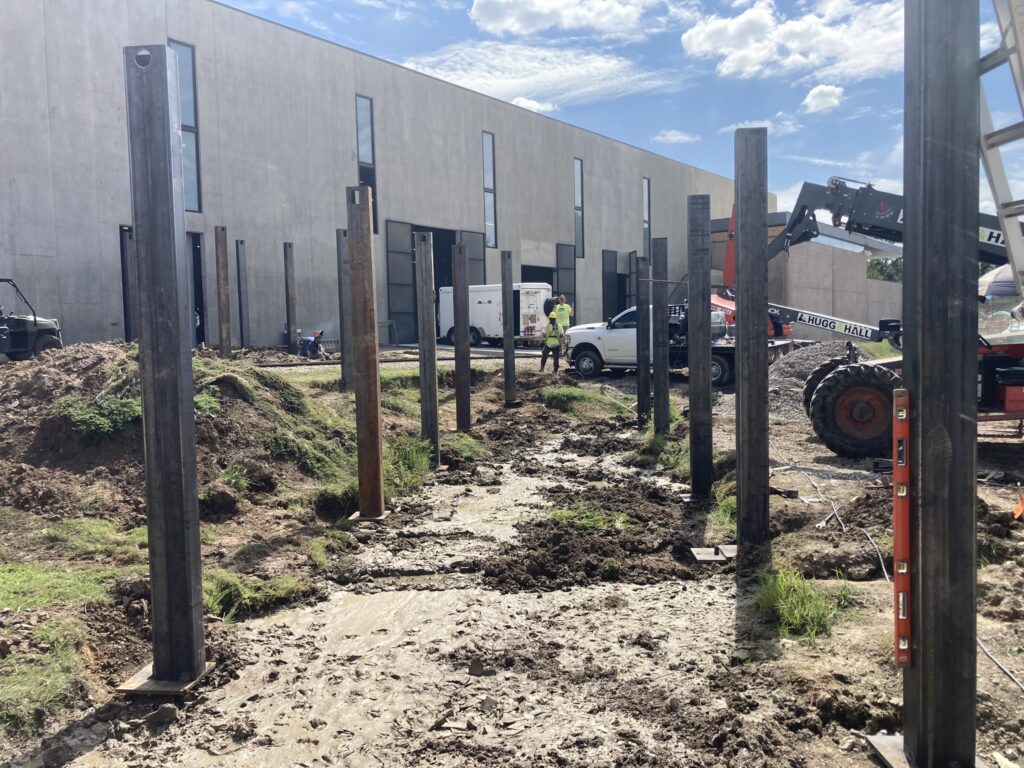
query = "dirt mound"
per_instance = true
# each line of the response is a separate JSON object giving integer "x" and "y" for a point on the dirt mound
{"x": 554, "y": 555}
{"x": 72, "y": 443}
{"x": 798, "y": 364}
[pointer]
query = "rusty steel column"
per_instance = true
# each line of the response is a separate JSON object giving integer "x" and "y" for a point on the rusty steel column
{"x": 364, "y": 338}
{"x": 698, "y": 337}
{"x": 220, "y": 235}
{"x": 348, "y": 374}
{"x": 940, "y": 307}
{"x": 751, "y": 335}
{"x": 460, "y": 312}
{"x": 165, "y": 363}
{"x": 659, "y": 332}
{"x": 508, "y": 321}
{"x": 289, "y": 298}
{"x": 427, "y": 326}
{"x": 643, "y": 341}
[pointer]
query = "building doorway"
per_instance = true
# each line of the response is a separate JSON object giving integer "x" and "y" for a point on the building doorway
{"x": 532, "y": 274}
{"x": 195, "y": 246}
{"x": 129, "y": 282}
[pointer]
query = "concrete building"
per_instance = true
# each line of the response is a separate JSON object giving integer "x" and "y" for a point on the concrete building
{"x": 276, "y": 124}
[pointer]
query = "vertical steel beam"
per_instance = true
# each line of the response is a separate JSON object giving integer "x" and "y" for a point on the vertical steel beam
{"x": 659, "y": 333}
{"x": 698, "y": 334}
{"x": 165, "y": 362}
{"x": 427, "y": 320}
{"x": 289, "y": 298}
{"x": 348, "y": 357}
{"x": 751, "y": 335}
{"x": 940, "y": 282}
{"x": 242, "y": 268}
{"x": 220, "y": 235}
{"x": 460, "y": 310}
{"x": 509, "y": 326}
{"x": 367, "y": 364}
{"x": 643, "y": 341}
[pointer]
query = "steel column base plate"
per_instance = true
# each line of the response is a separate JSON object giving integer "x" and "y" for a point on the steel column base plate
{"x": 142, "y": 683}
{"x": 889, "y": 749}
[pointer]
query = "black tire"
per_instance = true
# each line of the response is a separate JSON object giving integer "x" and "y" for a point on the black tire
{"x": 817, "y": 376}
{"x": 494, "y": 342}
{"x": 588, "y": 363}
{"x": 617, "y": 373}
{"x": 474, "y": 337}
{"x": 721, "y": 371}
{"x": 450, "y": 337}
{"x": 851, "y": 410}
{"x": 43, "y": 343}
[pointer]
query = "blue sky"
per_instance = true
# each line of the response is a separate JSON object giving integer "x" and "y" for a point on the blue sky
{"x": 672, "y": 76}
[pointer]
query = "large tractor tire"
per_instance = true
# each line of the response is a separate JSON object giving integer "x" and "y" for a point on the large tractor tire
{"x": 817, "y": 376}
{"x": 851, "y": 410}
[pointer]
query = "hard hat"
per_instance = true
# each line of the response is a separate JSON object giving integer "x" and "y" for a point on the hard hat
{"x": 553, "y": 315}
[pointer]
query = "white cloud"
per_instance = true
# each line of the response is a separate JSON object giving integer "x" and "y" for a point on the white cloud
{"x": 780, "y": 125}
{"x": 836, "y": 40}
{"x": 824, "y": 162}
{"x": 671, "y": 136}
{"x": 822, "y": 98}
{"x": 533, "y": 105}
{"x": 610, "y": 18}
{"x": 990, "y": 36}
{"x": 546, "y": 76}
{"x": 371, "y": 3}
{"x": 302, "y": 11}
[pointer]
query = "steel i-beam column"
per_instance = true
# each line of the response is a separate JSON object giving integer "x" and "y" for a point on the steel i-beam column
{"x": 699, "y": 344}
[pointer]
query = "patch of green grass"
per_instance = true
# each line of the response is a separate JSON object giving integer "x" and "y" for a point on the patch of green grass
{"x": 236, "y": 476}
{"x": 206, "y": 402}
{"x": 231, "y": 597}
{"x": 404, "y": 401}
{"x": 314, "y": 455}
{"x": 30, "y": 682}
{"x": 94, "y": 537}
{"x": 391, "y": 380}
{"x": 463, "y": 445}
{"x": 611, "y": 569}
{"x": 96, "y": 497}
{"x": 591, "y": 517}
{"x": 292, "y": 399}
{"x": 335, "y": 501}
{"x": 670, "y": 453}
{"x": 875, "y": 349}
{"x": 576, "y": 400}
{"x": 316, "y": 549}
{"x": 26, "y": 586}
{"x": 97, "y": 420}
{"x": 800, "y": 608}
{"x": 407, "y": 465}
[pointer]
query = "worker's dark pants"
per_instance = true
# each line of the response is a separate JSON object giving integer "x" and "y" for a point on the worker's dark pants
{"x": 555, "y": 353}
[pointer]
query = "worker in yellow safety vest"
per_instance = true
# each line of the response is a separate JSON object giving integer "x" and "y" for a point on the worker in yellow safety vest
{"x": 564, "y": 313}
{"x": 552, "y": 342}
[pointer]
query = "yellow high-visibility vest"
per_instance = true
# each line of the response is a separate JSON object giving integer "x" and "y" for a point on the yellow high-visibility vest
{"x": 562, "y": 312}
{"x": 553, "y": 332}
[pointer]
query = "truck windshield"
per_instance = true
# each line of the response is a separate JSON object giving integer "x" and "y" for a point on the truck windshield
{"x": 626, "y": 320}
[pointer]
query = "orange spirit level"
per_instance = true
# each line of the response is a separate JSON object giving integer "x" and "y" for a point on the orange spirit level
{"x": 901, "y": 523}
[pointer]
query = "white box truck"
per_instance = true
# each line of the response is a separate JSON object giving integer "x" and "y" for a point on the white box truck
{"x": 485, "y": 320}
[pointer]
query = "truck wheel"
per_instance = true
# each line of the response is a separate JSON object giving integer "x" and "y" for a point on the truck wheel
{"x": 721, "y": 371}
{"x": 494, "y": 342}
{"x": 851, "y": 410}
{"x": 817, "y": 376}
{"x": 44, "y": 343}
{"x": 474, "y": 337}
{"x": 588, "y": 364}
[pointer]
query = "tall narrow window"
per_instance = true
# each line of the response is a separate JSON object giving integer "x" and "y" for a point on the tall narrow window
{"x": 365, "y": 150}
{"x": 189, "y": 123}
{"x": 577, "y": 167}
{"x": 490, "y": 207}
{"x": 647, "y": 218}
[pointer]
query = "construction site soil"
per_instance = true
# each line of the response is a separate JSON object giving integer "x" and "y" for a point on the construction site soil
{"x": 534, "y": 602}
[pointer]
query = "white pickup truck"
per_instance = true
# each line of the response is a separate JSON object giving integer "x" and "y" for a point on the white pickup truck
{"x": 593, "y": 347}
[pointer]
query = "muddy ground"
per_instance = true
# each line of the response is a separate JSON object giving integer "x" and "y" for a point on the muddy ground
{"x": 533, "y": 603}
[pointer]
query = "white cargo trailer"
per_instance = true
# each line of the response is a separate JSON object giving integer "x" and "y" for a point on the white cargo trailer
{"x": 485, "y": 320}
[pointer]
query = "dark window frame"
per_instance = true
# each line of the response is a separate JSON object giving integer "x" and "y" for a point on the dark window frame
{"x": 646, "y": 226}
{"x": 193, "y": 129}
{"x": 578, "y": 186}
{"x": 365, "y": 169}
{"x": 493, "y": 189}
